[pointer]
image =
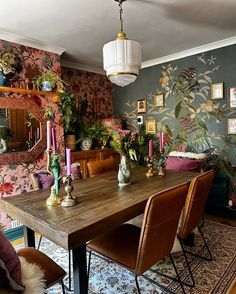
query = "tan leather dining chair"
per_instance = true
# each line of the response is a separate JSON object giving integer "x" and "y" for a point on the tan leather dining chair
{"x": 101, "y": 166}
{"x": 193, "y": 213}
{"x": 138, "y": 249}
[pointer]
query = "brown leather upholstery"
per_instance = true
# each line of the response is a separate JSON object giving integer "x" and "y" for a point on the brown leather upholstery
{"x": 53, "y": 273}
{"x": 100, "y": 166}
{"x": 140, "y": 248}
{"x": 195, "y": 203}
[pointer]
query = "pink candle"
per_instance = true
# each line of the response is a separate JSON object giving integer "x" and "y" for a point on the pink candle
{"x": 150, "y": 148}
{"x": 48, "y": 135}
{"x": 68, "y": 161}
{"x": 161, "y": 139}
{"x": 54, "y": 143}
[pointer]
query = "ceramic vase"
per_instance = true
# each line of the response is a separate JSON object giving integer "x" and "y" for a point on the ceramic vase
{"x": 3, "y": 146}
{"x": 124, "y": 173}
{"x": 86, "y": 144}
{"x": 46, "y": 86}
{"x": 2, "y": 78}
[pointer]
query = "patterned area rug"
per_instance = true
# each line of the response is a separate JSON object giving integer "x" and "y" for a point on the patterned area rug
{"x": 211, "y": 276}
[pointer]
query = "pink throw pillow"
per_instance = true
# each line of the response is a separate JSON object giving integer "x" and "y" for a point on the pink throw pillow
{"x": 46, "y": 180}
{"x": 10, "y": 266}
{"x": 186, "y": 164}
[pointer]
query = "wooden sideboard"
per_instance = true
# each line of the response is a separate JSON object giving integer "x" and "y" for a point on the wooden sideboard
{"x": 96, "y": 154}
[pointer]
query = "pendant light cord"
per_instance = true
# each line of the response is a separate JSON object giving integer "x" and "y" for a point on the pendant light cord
{"x": 121, "y": 18}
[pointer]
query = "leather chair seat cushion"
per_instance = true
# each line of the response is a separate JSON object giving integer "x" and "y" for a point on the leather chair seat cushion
{"x": 53, "y": 273}
{"x": 121, "y": 244}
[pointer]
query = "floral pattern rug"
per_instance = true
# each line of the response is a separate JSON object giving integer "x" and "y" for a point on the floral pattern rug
{"x": 211, "y": 276}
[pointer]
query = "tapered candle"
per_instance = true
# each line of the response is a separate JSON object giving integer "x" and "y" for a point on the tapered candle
{"x": 54, "y": 143}
{"x": 48, "y": 135}
{"x": 150, "y": 148}
{"x": 68, "y": 161}
{"x": 161, "y": 139}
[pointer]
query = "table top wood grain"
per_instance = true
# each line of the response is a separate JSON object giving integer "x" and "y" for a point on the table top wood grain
{"x": 102, "y": 205}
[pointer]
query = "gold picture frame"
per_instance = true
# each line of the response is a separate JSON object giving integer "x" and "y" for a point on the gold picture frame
{"x": 217, "y": 91}
{"x": 151, "y": 127}
{"x": 232, "y": 126}
{"x": 232, "y": 98}
{"x": 158, "y": 100}
{"x": 142, "y": 105}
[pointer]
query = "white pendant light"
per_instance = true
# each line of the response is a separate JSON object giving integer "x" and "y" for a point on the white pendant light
{"x": 122, "y": 57}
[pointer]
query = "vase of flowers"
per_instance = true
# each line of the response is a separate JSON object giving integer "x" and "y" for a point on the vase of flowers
{"x": 124, "y": 142}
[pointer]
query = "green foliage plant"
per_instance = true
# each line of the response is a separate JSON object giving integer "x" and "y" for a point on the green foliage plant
{"x": 55, "y": 81}
{"x": 6, "y": 133}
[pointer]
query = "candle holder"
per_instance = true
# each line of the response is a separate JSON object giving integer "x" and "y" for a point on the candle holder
{"x": 162, "y": 164}
{"x": 53, "y": 168}
{"x": 150, "y": 172}
{"x": 68, "y": 200}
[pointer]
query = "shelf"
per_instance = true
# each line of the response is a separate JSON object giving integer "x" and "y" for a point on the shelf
{"x": 54, "y": 95}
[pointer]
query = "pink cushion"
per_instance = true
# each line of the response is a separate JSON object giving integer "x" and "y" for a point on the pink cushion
{"x": 187, "y": 164}
{"x": 10, "y": 265}
{"x": 45, "y": 180}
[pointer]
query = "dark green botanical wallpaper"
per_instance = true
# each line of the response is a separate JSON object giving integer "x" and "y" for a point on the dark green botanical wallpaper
{"x": 190, "y": 116}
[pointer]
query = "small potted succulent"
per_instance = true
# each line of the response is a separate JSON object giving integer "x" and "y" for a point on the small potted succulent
{"x": 49, "y": 81}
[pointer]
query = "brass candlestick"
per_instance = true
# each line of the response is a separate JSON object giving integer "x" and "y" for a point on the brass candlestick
{"x": 53, "y": 168}
{"x": 68, "y": 200}
{"x": 150, "y": 172}
{"x": 162, "y": 165}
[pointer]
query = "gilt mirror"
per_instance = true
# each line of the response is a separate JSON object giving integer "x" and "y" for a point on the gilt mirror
{"x": 23, "y": 119}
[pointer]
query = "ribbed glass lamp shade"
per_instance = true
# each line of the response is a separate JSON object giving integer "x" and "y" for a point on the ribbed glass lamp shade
{"x": 121, "y": 61}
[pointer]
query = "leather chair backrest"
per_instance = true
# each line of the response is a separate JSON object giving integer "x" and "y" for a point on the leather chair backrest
{"x": 195, "y": 203}
{"x": 159, "y": 226}
{"x": 100, "y": 166}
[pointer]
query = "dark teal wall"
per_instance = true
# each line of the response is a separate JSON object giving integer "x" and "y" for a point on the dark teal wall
{"x": 212, "y": 67}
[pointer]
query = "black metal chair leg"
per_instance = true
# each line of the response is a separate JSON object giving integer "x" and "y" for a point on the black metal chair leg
{"x": 69, "y": 274}
{"x": 63, "y": 287}
{"x": 89, "y": 262}
{"x": 177, "y": 274}
{"x": 208, "y": 249}
{"x": 188, "y": 266}
{"x": 137, "y": 285}
{"x": 40, "y": 240}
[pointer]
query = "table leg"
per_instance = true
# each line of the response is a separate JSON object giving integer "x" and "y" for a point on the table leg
{"x": 29, "y": 237}
{"x": 80, "y": 270}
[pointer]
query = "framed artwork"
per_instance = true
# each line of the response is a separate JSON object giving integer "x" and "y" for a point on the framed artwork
{"x": 232, "y": 126}
{"x": 3, "y": 113}
{"x": 151, "y": 126}
{"x": 232, "y": 97}
{"x": 158, "y": 100}
{"x": 142, "y": 105}
{"x": 217, "y": 91}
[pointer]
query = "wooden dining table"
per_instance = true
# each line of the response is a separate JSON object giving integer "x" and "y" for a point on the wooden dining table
{"x": 102, "y": 205}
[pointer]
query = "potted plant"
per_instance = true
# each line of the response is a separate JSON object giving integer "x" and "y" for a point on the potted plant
{"x": 5, "y": 69}
{"x": 5, "y": 134}
{"x": 71, "y": 117}
{"x": 89, "y": 133}
{"x": 49, "y": 81}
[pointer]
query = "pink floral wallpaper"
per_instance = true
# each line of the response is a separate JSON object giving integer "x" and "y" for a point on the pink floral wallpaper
{"x": 96, "y": 88}
{"x": 14, "y": 179}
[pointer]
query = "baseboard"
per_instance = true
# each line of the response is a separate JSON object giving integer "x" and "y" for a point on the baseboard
{"x": 14, "y": 234}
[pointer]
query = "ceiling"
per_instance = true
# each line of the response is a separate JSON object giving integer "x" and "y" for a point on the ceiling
{"x": 80, "y": 28}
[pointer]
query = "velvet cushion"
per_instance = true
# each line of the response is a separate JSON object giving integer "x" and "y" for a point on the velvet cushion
{"x": 10, "y": 267}
{"x": 186, "y": 164}
{"x": 45, "y": 180}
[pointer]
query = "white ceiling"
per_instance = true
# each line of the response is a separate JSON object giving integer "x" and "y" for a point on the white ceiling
{"x": 82, "y": 27}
